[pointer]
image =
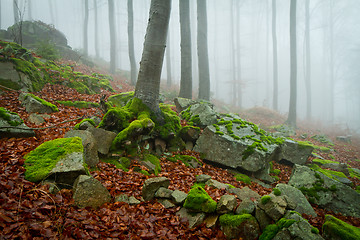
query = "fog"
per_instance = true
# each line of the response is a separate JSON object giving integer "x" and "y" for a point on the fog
{"x": 334, "y": 28}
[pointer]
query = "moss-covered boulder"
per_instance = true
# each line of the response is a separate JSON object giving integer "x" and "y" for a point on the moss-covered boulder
{"x": 11, "y": 125}
{"x": 79, "y": 104}
{"x": 199, "y": 200}
{"x": 200, "y": 114}
{"x": 335, "y": 229}
{"x": 60, "y": 160}
{"x": 33, "y": 103}
{"x": 242, "y": 226}
{"x": 121, "y": 99}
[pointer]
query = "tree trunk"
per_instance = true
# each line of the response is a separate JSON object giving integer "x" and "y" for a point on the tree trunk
{"x": 86, "y": 23}
{"x": 0, "y": 14}
{"x": 308, "y": 61}
{"x": 186, "y": 64}
{"x": 233, "y": 53}
{"x": 168, "y": 60}
{"x": 96, "y": 30}
{"x": 203, "y": 59}
{"x": 16, "y": 11}
{"x": 148, "y": 83}
{"x": 331, "y": 63}
{"x": 238, "y": 42}
{"x": 131, "y": 42}
{"x": 112, "y": 36}
{"x": 29, "y": 11}
{"x": 275, "y": 64}
{"x": 52, "y": 14}
{"x": 293, "y": 66}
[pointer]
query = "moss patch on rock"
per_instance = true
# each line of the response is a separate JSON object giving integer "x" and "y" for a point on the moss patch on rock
{"x": 42, "y": 101}
{"x": 235, "y": 220}
{"x": 91, "y": 121}
{"x": 271, "y": 230}
{"x": 199, "y": 200}
{"x": 243, "y": 178}
{"x": 10, "y": 117}
{"x": 39, "y": 162}
{"x": 79, "y": 104}
{"x": 336, "y": 229}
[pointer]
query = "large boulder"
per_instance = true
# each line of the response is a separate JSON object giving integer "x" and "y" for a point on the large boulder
{"x": 235, "y": 143}
{"x": 326, "y": 192}
{"x": 11, "y": 125}
{"x": 242, "y": 226}
{"x": 183, "y": 103}
{"x": 33, "y": 103}
{"x": 90, "y": 146}
{"x": 11, "y": 78}
{"x": 104, "y": 139}
{"x": 335, "y": 229}
{"x": 293, "y": 152}
{"x": 89, "y": 192}
{"x": 200, "y": 114}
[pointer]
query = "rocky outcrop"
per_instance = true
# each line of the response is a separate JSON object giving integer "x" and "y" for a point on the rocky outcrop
{"x": 89, "y": 192}
{"x": 326, "y": 192}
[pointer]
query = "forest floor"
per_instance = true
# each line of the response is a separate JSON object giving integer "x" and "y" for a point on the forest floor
{"x": 29, "y": 211}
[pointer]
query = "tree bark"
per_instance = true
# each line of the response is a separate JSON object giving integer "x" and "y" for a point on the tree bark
{"x": 331, "y": 62}
{"x": 275, "y": 64}
{"x": 308, "y": 61}
{"x": 168, "y": 61}
{"x": 238, "y": 42}
{"x": 202, "y": 45}
{"x": 16, "y": 11}
{"x": 131, "y": 41}
{"x": 186, "y": 64}
{"x": 233, "y": 53}
{"x": 148, "y": 83}
{"x": 86, "y": 23}
{"x": 293, "y": 66}
{"x": 29, "y": 11}
{"x": 96, "y": 30}
{"x": 112, "y": 36}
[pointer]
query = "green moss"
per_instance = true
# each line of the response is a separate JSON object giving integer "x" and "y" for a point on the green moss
{"x": 329, "y": 173}
{"x": 271, "y": 230}
{"x": 339, "y": 230}
{"x": 216, "y": 127}
{"x": 91, "y": 121}
{"x": 315, "y": 230}
{"x": 276, "y": 192}
{"x": 323, "y": 139}
{"x": 199, "y": 200}
{"x": 10, "y": 84}
{"x": 251, "y": 149}
{"x": 79, "y": 104}
{"x": 318, "y": 186}
{"x": 39, "y": 162}
{"x": 309, "y": 144}
{"x": 186, "y": 159}
{"x": 219, "y": 133}
{"x": 42, "y": 101}
{"x": 154, "y": 160}
{"x": 116, "y": 119}
{"x": 323, "y": 161}
{"x": 265, "y": 199}
{"x": 235, "y": 220}
{"x": 353, "y": 173}
{"x": 243, "y": 178}
{"x": 6, "y": 115}
{"x": 120, "y": 100}
{"x": 276, "y": 171}
{"x": 172, "y": 124}
{"x": 31, "y": 71}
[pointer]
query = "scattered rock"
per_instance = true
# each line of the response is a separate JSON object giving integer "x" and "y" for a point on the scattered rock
{"x": 133, "y": 200}
{"x": 198, "y": 200}
{"x": 105, "y": 138}
{"x": 294, "y": 152}
{"x": 166, "y": 203}
{"x": 160, "y": 146}
{"x": 245, "y": 193}
{"x": 263, "y": 219}
{"x": 226, "y": 204}
{"x": 122, "y": 198}
{"x": 150, "y": 167}
{"x": 190, "y": 133}
{"x": 37, "y": 119}
{"x": 34, "y": 104}
{"x": 89, "y": 192}
{"x": 200, "y": 114}
{"x": 182, "y": 103}
{"x": 178, "y": 197}
{"x": 85, "y": 125}
{"x": 194, "y": 219}
{"x": 239, "y": 226}
{"x": 216, "y": 184}
{"x": 11, "y": 125}
{"x": 151, "y": 185}
{"x": 346, "y": 139}
{"x": 120, "y": 100}
{"x": 211, "y": 221}
{"x": 163, "y": 193}
{"x": 246, "y": 206}
{"x": 275, "y": 207}
{"x": 189, "y": 146}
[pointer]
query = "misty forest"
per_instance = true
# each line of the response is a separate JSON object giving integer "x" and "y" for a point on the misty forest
{"x": 180, "y": 119}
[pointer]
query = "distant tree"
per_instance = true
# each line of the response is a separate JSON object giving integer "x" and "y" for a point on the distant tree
{"x": 131, "y": 41}
{"x": 331, "y": 61}
{"x": 293, "y": 66}
{"x": 186, "y": 64}
{"x": 275, "y": 64}
{"x": 112, "y": 36}
{"x": 238, "y": 54}
{"x": 86, "y": 23}
{"x": 96, "y": 30}
{"x": 29, "y": 10}
{"x": 52, "y": 13}
{"x": 202, "y": 46}
{"x": 233, "y": 53}
{"x": 148, "y": 84}
{"x": 0, "y": 14}
{"x": 168, "y": 60}
{"x": 16, "y": 11}
{"x": 307, "y": 61}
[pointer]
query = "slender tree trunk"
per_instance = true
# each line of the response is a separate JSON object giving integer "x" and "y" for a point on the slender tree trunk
{"x": 293, "y": 66}
{"x": 186, "y": 63}
{"x": 148, "y": 83}
{"x": 194, "y": 59}
{"x": 267, "y": 79}
{"x": 29, "y": 10}
{"x": 233, "y": 53}
{"x": 131, "y": 42}
{"x": 86, "y": 23}
{"x": 52, "y": 14}
{"x": 118, "y": 35}
{"x": 168, "y": 61}
{"x": 203, "y": 59}
{"x": 331, "y": 63}
{"x": 238, "y": 42}
{"x": 308, "y": 61}
{"x": 16, "y": 11}
{"x": 112, "y": 36}
{"x": 96, "y": 30}
{"x": 0, "y": 14}
{"x": 275, "y": 64}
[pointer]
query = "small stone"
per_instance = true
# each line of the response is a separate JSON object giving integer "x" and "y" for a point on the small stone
{"x": 166, "y": 203}
{"x": 163, "y": 193}
{"x": 202, "y": 178}
{"x": 133, "y": 200}
{"x": 151, "y": 185}
{"x": 211, "y": 221}
{"x": 246, "y": 206}
{"x": 226, "y": 204}
{"x": 194, "y": 219}
{"x": 178, "y": 197}
{"x": 216, "y": 184}
{"x": 122, "y": 198}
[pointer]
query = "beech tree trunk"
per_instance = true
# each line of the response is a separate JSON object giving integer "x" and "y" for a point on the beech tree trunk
{"x": 186, "y": 64}
{"x": 308, "y": 61}
{"x": 202, "y": 45}
{"x": 293, "y": 66}
{"x": 29, "y": 10}
{"x": 112, "y": 36}
{"x": 131, "y": 41}
{"x": 148, "y": 83}
{"x": 16, "y": 11}
{"x": 275, "y": 64}
{"x": 86, "y": 23}
{"x": 97, "y": 52}
{"x": 168, "y": 61}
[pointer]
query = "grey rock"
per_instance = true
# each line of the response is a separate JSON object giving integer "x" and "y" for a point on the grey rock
{"x": 275, "y": 208}
{"x": 190, "y": 135}
{"x": 216, "y": 184}
{"x": 294, "y": 152}
{"x": 202, "y": 178}
{"x": 122, "y": 198}
{"x": 341, "y": 199}
{"x": 120, "y": 100}
{"x": 205, "y": 112}
{"x": 34, "y": 106}
{"x": 178, "y": 197}
{"x": 133, "y": 200}
{"x": 16, "y": 79}
{"x": 150, "y": 166}
{"x": 96, "y": 120}
{"x": 262, "y": 218}
{"x": 340, "y": 167}
{"x": 166, "y": 203}
{"x": 104, "y": 139}
{"x": 189, "y": 146}
{"x": 36, "y": 119}
{"x": 246, "y": 206}
{"x": 211, "y": 221}
{"x": 194, "y": 219}
{"x": 183, "y": 103}
{"x": 247, "y": 230}
{"x": 68, "y": 169}
{"x": 346, "y": 139}
{"x": 90, "y": 146}
{"x": 245, "y": 193}
{"x": 151, "y": 185}
{"x": 163, "y": 193}
{"x": 226, "y": 204}
{"x": 295, "y": 195}
{"x": 89, "y": 192}
{"x": 85, "y": 125}
{"x": 20, "y": 131}
{"x": 53, "y": 188}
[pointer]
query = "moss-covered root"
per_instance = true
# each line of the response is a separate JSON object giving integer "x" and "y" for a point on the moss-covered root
{"x": 199, "y": 200}
{"x": 334, "y": 228}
